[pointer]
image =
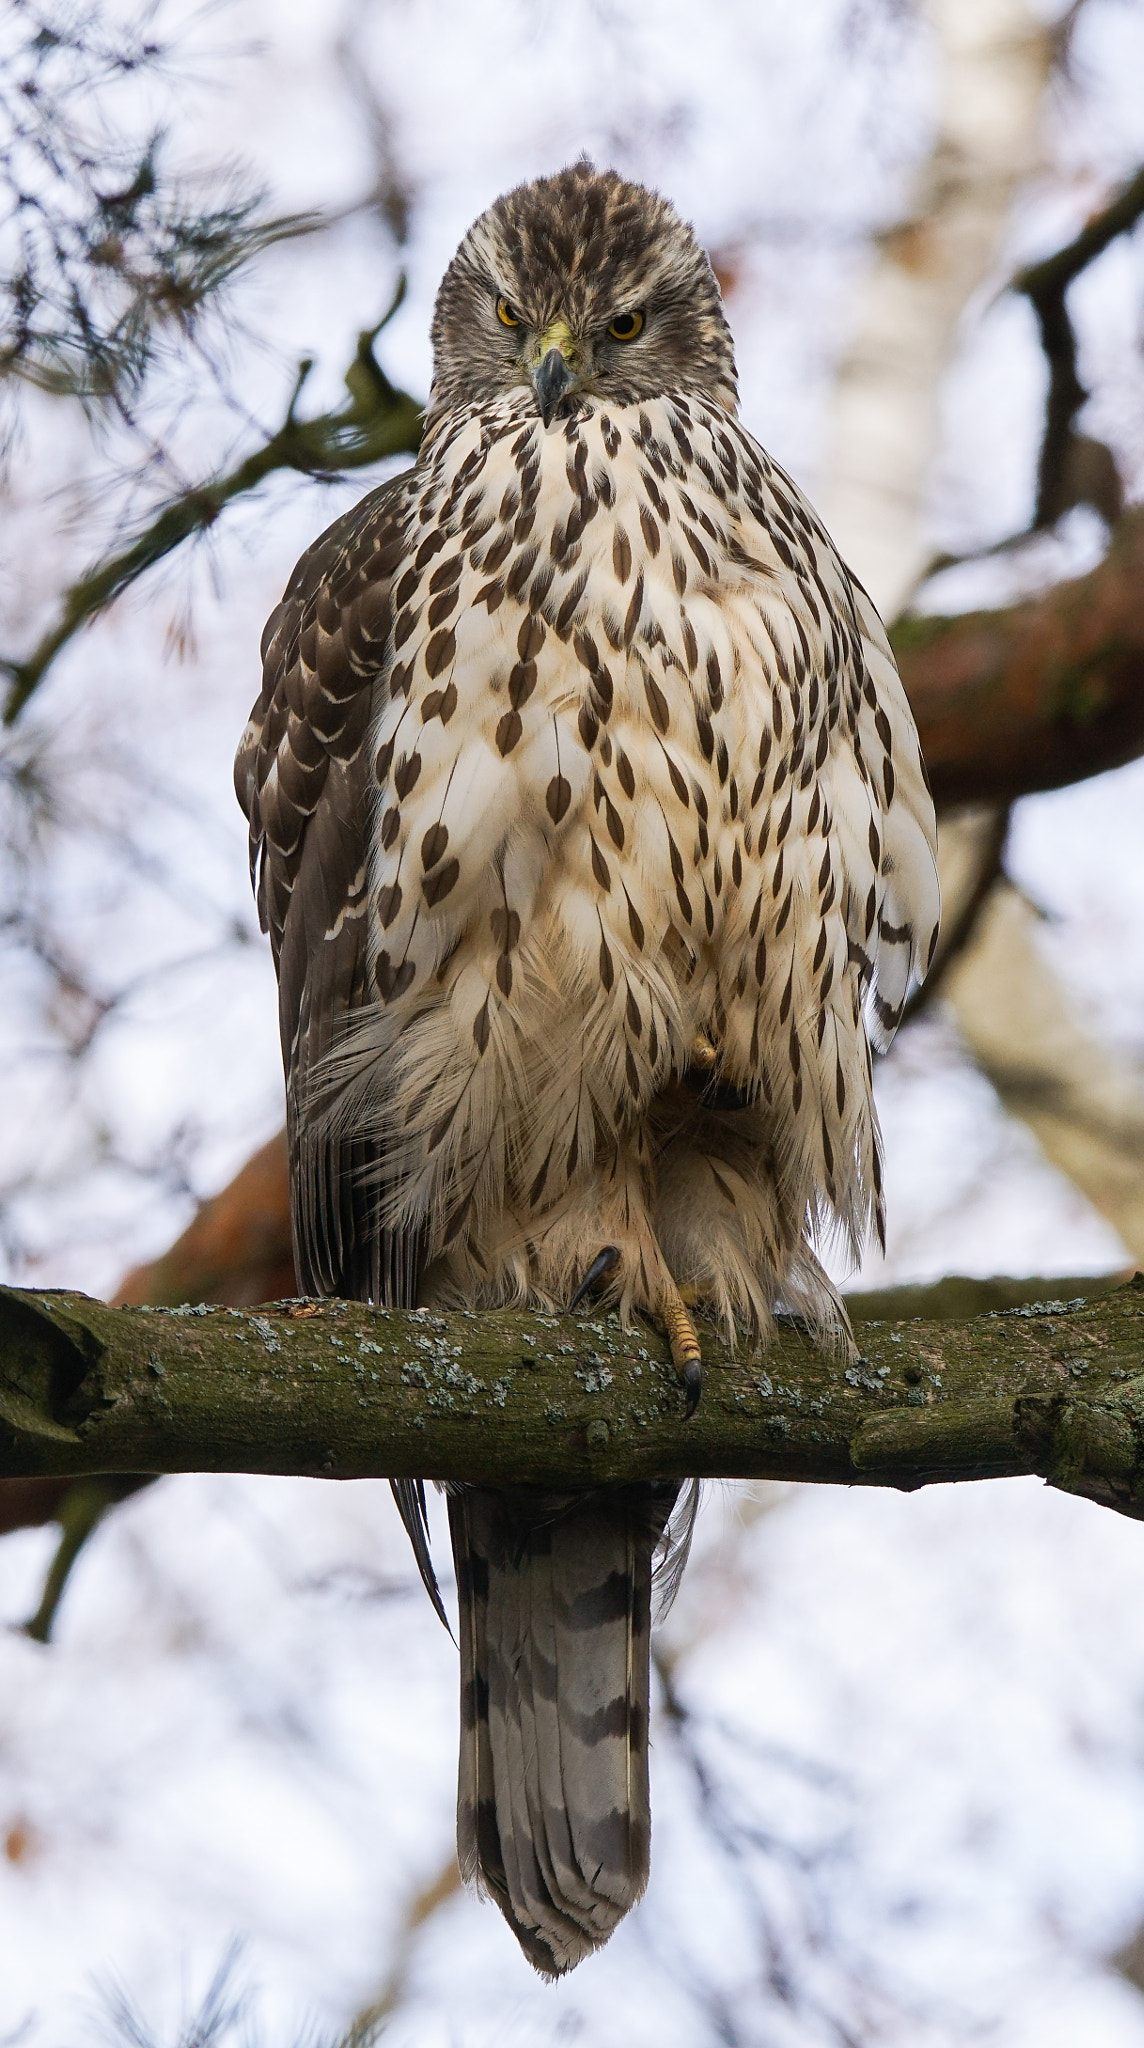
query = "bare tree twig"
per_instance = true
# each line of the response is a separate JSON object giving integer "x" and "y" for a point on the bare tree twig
{"x": 1072, "y": 469}
{"x": 1045, "y": 285}
{"x": 379, "y": 420}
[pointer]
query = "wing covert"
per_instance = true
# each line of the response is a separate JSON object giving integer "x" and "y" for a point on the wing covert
{"x": 303, "y": 776}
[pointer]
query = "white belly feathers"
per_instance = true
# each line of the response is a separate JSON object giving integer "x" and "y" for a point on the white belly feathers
{"x": 645, "y": 769}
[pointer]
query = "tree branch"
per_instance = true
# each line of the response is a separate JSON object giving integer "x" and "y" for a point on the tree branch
{"x": 1045, "y": 285}
{"x": 80, "y": 1511}
{"x": 1038, "y": 695}
{"x": 342, "y": 1390}
{"x": 377, "y": 421}
{"x": 236, "y": 1250}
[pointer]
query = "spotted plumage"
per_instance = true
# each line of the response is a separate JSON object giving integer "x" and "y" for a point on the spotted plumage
{"x": 594, "y": 842}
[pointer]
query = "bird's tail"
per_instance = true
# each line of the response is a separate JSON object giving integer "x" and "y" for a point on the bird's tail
{"x": 555, "y": 1610}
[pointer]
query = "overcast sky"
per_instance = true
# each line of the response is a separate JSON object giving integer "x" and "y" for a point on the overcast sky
{"x": 248, "y": 1722}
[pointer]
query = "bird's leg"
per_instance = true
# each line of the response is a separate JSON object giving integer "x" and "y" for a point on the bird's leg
{"x": 601, "y": 1268}
{"x": 686, "y": 1356}
{"x": 700, "y": 1076}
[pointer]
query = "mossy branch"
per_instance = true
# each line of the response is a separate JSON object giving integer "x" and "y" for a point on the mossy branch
{"x": 347, "y": 1391}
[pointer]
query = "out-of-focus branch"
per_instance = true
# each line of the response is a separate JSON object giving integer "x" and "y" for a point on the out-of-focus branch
{"x": 345, "y": 1390}
{"x": 236, "y": 1250}
{"x": 377, "y": 421}
{"x": 1035, "y": 695}
{"x": 370, "y": 2022}
{"x": 1070, "y": 469}
{"x": 29, "y": 1503}
{"x": 973, "y": 852}
{"x": 79, "y": 1512}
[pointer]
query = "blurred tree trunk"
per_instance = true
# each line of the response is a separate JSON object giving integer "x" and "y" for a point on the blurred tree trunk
{"x": 1085, "y": 1107}
{"x": 993, "y": 59}
{"x": 1083, "y": 1104}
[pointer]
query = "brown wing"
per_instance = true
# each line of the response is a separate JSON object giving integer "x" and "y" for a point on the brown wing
{"x": 303, "y": 776}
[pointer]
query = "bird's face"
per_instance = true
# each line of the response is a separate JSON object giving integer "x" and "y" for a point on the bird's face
{"x": 581, "y": 287}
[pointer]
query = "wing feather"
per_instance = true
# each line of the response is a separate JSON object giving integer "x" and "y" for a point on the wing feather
{"x": 304, "y": 776}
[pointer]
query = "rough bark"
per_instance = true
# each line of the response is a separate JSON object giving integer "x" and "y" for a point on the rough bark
{"x": 345, "y": 1391}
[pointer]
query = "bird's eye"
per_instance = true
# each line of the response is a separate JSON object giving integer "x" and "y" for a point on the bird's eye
{"x": 625, "y": 326}
{"x": 506, "y": 314}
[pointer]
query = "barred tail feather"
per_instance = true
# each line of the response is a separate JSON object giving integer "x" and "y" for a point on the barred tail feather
{"x": 555, "y": 1611}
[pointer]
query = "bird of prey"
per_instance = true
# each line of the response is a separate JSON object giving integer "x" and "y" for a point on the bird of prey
{"x": 594, "y": 843}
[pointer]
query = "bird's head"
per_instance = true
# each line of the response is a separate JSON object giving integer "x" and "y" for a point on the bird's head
{"x": 582, "y": 286}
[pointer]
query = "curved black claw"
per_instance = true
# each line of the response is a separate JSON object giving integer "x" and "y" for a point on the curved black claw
{"x": 604, "y": 1263}
{"x": 692, "y": 1381}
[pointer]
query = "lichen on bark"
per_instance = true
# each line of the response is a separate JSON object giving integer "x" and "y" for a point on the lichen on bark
{"x": 344, "y": 1390}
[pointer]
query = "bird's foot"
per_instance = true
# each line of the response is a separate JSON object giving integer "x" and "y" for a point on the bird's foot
{"x": 601, "y": 1269}
{"x": 686, "y": 1356}
{"x": 703, "y": 1053}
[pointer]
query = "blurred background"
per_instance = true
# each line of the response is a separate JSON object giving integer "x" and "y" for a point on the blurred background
{"x": 898, "y": 1762}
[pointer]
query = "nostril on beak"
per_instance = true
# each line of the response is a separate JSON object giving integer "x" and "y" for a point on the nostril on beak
{"x": 550, "y": 381}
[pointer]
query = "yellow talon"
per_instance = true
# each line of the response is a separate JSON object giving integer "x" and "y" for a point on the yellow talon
{"x": 703, "y": 1053}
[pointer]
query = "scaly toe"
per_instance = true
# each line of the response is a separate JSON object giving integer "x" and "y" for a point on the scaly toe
{"x": 686, "y": 1356}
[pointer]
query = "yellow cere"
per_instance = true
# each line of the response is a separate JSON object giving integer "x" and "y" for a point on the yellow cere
{"x": 560, "y": 336}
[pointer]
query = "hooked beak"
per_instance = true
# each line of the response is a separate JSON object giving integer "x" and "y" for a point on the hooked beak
{"x": 550, "y": 380}
{"x": 556, "y": 370}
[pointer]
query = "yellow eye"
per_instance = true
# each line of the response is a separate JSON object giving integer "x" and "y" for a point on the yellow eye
{"x": 506, "y": 314}
{"x": 626, "y": 326}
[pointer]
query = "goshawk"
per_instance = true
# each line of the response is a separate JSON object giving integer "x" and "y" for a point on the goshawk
{"x": 595, "y": 847}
